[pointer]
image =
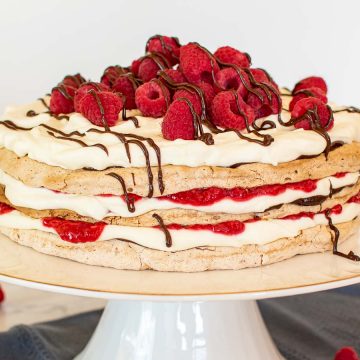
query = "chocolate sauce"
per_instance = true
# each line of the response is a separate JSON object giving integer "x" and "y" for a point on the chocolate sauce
{"x": 349, "y": 109}
{"x": 311, "y": 201}
{"x": 164, "y": 229}
{"x": 335, "y": 240}
{"x": 133, "y": 178}
{"x": 130, "y": 203}
{"x": 101, "y": 108}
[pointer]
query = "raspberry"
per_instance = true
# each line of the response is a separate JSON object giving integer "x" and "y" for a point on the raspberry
{"x": 175, "y": 75}
{"x": 228, "y": 110}
{"x": 309, "y": 82}
{"x": 301, "y": 94}
{"x": 102, "y": 108}
{"x": 261, "y": 76}
{"x": 197, "y": 64}
{"x": 194, "y": 98}
{"x": 178, "y": 121}
{"x": 346, "y": 353}
{"x": 152, "y": 98}
{"x": 126, "y": 85}
{"x": 150, "y": 66}
{"x": 168, "y": 46}
{"x": 62, "y": 99}
{"x": 111, "y": 73}
{"x": 135, "y": 66}
{"x": 82, "y": 91}
{"x": 229, "y": 55}
{"x": 229, "y": 79}
{"x": 303, "y": 107}
{"x": 73, "y": 80}
{"x": 2, "y": 295}
{"x": 266, "y": 107}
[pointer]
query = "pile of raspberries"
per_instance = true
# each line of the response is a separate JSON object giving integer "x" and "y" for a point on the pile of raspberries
{"x": 224, "y": 89}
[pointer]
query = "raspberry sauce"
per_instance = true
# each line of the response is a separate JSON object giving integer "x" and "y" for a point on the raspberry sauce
{"x": 5, "y": 208}
{"x": 75, "y": 231}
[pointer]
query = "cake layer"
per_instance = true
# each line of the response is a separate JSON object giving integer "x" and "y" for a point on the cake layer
{"x": 177, "y": 178}
{"x": 174, "y": 237}
{"x": 124, "y": 255}
{"x": 99, "y": 207}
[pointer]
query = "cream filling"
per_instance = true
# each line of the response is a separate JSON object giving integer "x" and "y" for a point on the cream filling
{"x": 259, "y": 232}
{"x": 99, "y": 207}
{"x": 289, "y": 144}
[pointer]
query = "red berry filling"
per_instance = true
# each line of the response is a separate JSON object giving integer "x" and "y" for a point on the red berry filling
{"x": 5, "y": 208}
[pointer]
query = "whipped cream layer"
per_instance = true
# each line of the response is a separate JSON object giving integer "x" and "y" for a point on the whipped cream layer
{"x": 288, "y": 145}
{"x": 259, "y": 232}
{"x": 99, "y": 207}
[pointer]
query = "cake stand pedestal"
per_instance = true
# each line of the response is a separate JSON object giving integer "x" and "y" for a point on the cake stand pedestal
{"x": 179, "y": 316}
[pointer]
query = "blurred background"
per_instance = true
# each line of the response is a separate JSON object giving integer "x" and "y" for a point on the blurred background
{"x": 41, "y": 40}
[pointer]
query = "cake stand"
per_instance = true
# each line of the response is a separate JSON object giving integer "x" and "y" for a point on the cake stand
{"x": 178, "y": 316}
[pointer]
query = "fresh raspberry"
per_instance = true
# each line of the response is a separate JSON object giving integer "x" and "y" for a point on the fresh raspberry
{"x": 135, "y": 66}
{"x": 178, "y": 121}
{"x": 266, "y": 106}
{"x": 95, "y": 102}
{"x": 126, "y": 85}
{"x": 82, "y": 91}
{"x": 305, "y": 106}
{"x": 229, "y": 55}
{"x": 62, "y": 99}
{"x": 111, "y": 73}
{"x": 194, "y": 98}
{"x": 261, "y": 76}
{"x": 229, "y": 79}
{"x": 73, "y": 80}
{"x": 302, "y": 94}
{"x": 168, "y": 46}
{"x": 150, "y": 66}
{"x": 309, "y": 82}
{"x": 346, "y": 353}
{"x": 227, "y": 111}
{"x": 175, "y": 75}
{"x": 197, "y": 64}
{"x": 2, "y": 295}
{"x": 152, "y": 98}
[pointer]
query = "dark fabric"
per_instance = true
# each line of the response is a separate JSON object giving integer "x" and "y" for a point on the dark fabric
{"x": 306, "y": 327}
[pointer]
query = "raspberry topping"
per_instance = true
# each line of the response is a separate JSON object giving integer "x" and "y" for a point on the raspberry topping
{"x": 346, "y": 353}
{"x": 229, "y": 55}
{"x": 310, "y": 82}
{"x": 197, "y": 64}
{"x": 152, "y": 98}
{"x": 269, "y": 103}
{"x": 2, "y": 295}
{"x": 178, "y": 121}
{"x": 75, "y": 231}
{"x": 83, "y": 89}
{"x": 102, "y": 108}
{"x": 111, "y": 73}
{"x": 310, "y": 92}
{"x": 135, "y": 66}
{"x": 168, "y": 46}
{"x": 62, "y": 99}
{"x": 5, "y": 208}
{"x": 73, "y": 80}
{"x": 312, "y": 113}
{"x": 229, "y": 79}
{"x": 175, "y": 75}
{"x": 230, "y": 111}
{"x": 126, "y": 85}
{"x": 150, "y": 66}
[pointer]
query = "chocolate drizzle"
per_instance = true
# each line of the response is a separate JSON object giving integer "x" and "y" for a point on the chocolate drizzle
{"x": 349, "y": 109}
{"x": 101, "y": 108}
{"x": 32, "y": 113}
{"x": 335, "y": 240}
{"x": 164, "y": 229}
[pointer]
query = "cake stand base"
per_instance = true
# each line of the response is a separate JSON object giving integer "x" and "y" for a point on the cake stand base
{"x": 145, "y": 330}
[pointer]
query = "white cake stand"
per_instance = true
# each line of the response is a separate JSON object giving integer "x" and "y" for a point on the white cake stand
{"x": 200, "y": 316}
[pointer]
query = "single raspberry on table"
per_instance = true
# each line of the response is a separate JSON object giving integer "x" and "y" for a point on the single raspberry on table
{"x": 83, "y": 90}
{"x": 102, "y": 108}
{"x": 229, "y": 79}
{"x": 62, "y": 99}
{"x": 302, "y": 94}
{"x": 178, "y": 121}
{"x": 230, "y": 111}
{"x": 168, "y": 46}
{"x": 313, "y": 113}
{"x": 193, "y": 96}
{"x": 126, "y": 85}
{"x": 152, "y": 98}
{"x": 73, "y": 80}
{"x": 111, "y": 73}
{"x": 346, "y": 353}
{"x": 197, "y": 64}
{"x": 229, "y": 55}
{"x": 309, "y": 82}
{"x": 150, "y": 66}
